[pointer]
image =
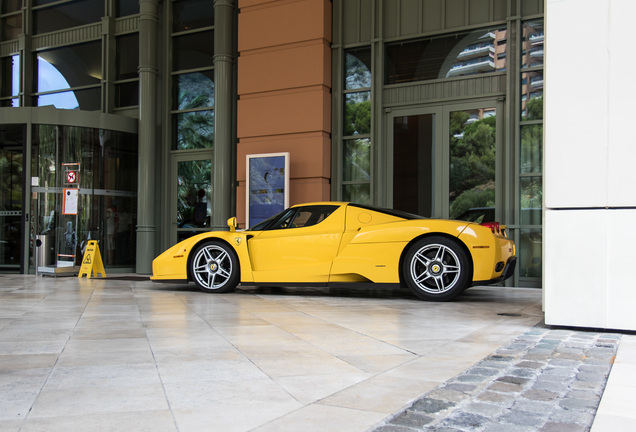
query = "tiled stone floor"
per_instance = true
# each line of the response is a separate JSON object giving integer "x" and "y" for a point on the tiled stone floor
{"x": 117, "y": 354}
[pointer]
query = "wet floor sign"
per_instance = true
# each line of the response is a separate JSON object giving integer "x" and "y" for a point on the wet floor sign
{"x": 92, "y": 261}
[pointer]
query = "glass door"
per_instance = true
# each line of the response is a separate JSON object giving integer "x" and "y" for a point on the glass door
{"x": 472, "y": 144}
{"x": 444, "y": 160}
{"x": 191, "y": 195}
{"x": 11, "y": 197}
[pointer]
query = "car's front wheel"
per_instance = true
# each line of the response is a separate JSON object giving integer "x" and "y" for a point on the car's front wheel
{"x": 436, "y": 269}
{"x": 214, "y": 267}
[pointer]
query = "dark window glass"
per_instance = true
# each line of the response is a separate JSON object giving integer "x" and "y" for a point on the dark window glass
{"x": 7, "y": 6}
{"x": 10, "y": 73}
{"x": 126, "y": 7}
{"x": 413, "y": 168}
{"x": 193, "y": 51}
{"x": 68, "y": 67}
{"x": 67, "y": 15}
{"x": 194, "y": 130}
{"x": 192, "y": 14}
{"x": 127, "y": 56}
{"x": 127, "y": 94}
{"x": 86, "y": 99}
{"x": 43, "y": 2}
{"x": 462, "y": 54}
{"x": 194, "y": 90}
{"x": 11, "y": 27}
{"x": 358, "y": 68}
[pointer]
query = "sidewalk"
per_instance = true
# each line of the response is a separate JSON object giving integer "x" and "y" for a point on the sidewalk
{"x": 129, "y": 354}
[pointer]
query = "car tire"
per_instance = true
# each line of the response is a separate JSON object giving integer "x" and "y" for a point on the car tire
{"x": 436, "y": 269}
{"x": 214, "y": 267}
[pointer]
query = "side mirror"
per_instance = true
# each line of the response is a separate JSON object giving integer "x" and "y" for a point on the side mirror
{"x": 231, "y": 222}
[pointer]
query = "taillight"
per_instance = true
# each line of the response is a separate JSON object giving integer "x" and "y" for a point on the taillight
{"x": 494, "y": 226}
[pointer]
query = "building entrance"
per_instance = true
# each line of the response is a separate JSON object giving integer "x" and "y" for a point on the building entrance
{"x": 444, "y": 159}
{"x": 84, "y": 187}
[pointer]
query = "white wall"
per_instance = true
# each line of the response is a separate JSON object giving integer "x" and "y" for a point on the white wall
{"x": 590, "y": 164}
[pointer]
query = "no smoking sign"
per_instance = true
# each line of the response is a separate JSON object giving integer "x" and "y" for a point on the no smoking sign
{"x": 71, "y": 177}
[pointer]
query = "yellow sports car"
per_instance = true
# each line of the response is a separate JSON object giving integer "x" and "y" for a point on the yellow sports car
{"x": 331, "y": 243}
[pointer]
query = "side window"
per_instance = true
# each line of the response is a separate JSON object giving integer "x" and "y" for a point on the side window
{"x": 304, "y": 217}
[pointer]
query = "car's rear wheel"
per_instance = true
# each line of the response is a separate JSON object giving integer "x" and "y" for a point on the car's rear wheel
{"x": 436, "y": 269}
{"x": 214, "y": 267}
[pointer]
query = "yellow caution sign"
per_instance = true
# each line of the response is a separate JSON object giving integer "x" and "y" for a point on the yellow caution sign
{"x": 92, "y": 261}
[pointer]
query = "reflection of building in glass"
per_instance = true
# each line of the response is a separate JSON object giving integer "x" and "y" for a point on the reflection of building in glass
{"x": 532, "y": 58}
{"x": 487, "y": 54}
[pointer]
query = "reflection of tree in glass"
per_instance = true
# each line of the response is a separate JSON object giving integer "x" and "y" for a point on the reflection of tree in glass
{"x": 357, "y": 162}
{"x": 532, "y": 193}
{"x": 534, "y": 109}
{"x": 472, "y": 162}
{"x": 357, "y": 115}
{"x": 192, "y": 177}
{"x": 195, "y": 129}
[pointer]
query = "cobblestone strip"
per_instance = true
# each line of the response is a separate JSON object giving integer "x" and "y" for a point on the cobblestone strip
{"x": 547, "y": 380}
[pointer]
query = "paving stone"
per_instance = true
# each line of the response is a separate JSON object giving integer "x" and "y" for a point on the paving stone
{"x": 506, "y": 387}
{"x": 568, "y": 416}
{"x": 496, "y": 397}
{"x": 530, "y": 365}
{"x": 483, "y": 371}
{"x": 393, "y": 428}
{"x": 532, "y": 406}
{"x": 583, "y": 394}
{"x": 465, "y": 420}
{"x": 553, "y": 386}
{"x": 562, "y": 427}
{"x": 471, "y": 378}
{"x": 464, "y": 388}
{"x": 578, "y": 404}
{"x": 412, "y": 420}
{"x": 499, "y": 427}
{"x": 522, "y": 418}
{"x": 512, "y": 380}
{"x": 430, "y": 406}
{"x": 447, "y": 395}
{"x": 540, "y": 395}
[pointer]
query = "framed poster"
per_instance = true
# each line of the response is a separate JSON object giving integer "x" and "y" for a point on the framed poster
{"x": 267, "y": 186}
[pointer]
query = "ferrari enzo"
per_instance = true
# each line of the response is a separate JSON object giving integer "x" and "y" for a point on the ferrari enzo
{"x": 331, "y": 243}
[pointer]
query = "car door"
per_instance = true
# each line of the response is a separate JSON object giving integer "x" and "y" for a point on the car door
{"x": 299, "y": 247}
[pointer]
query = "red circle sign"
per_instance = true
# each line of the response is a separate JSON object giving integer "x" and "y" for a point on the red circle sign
{"x": 70, "y": 176}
